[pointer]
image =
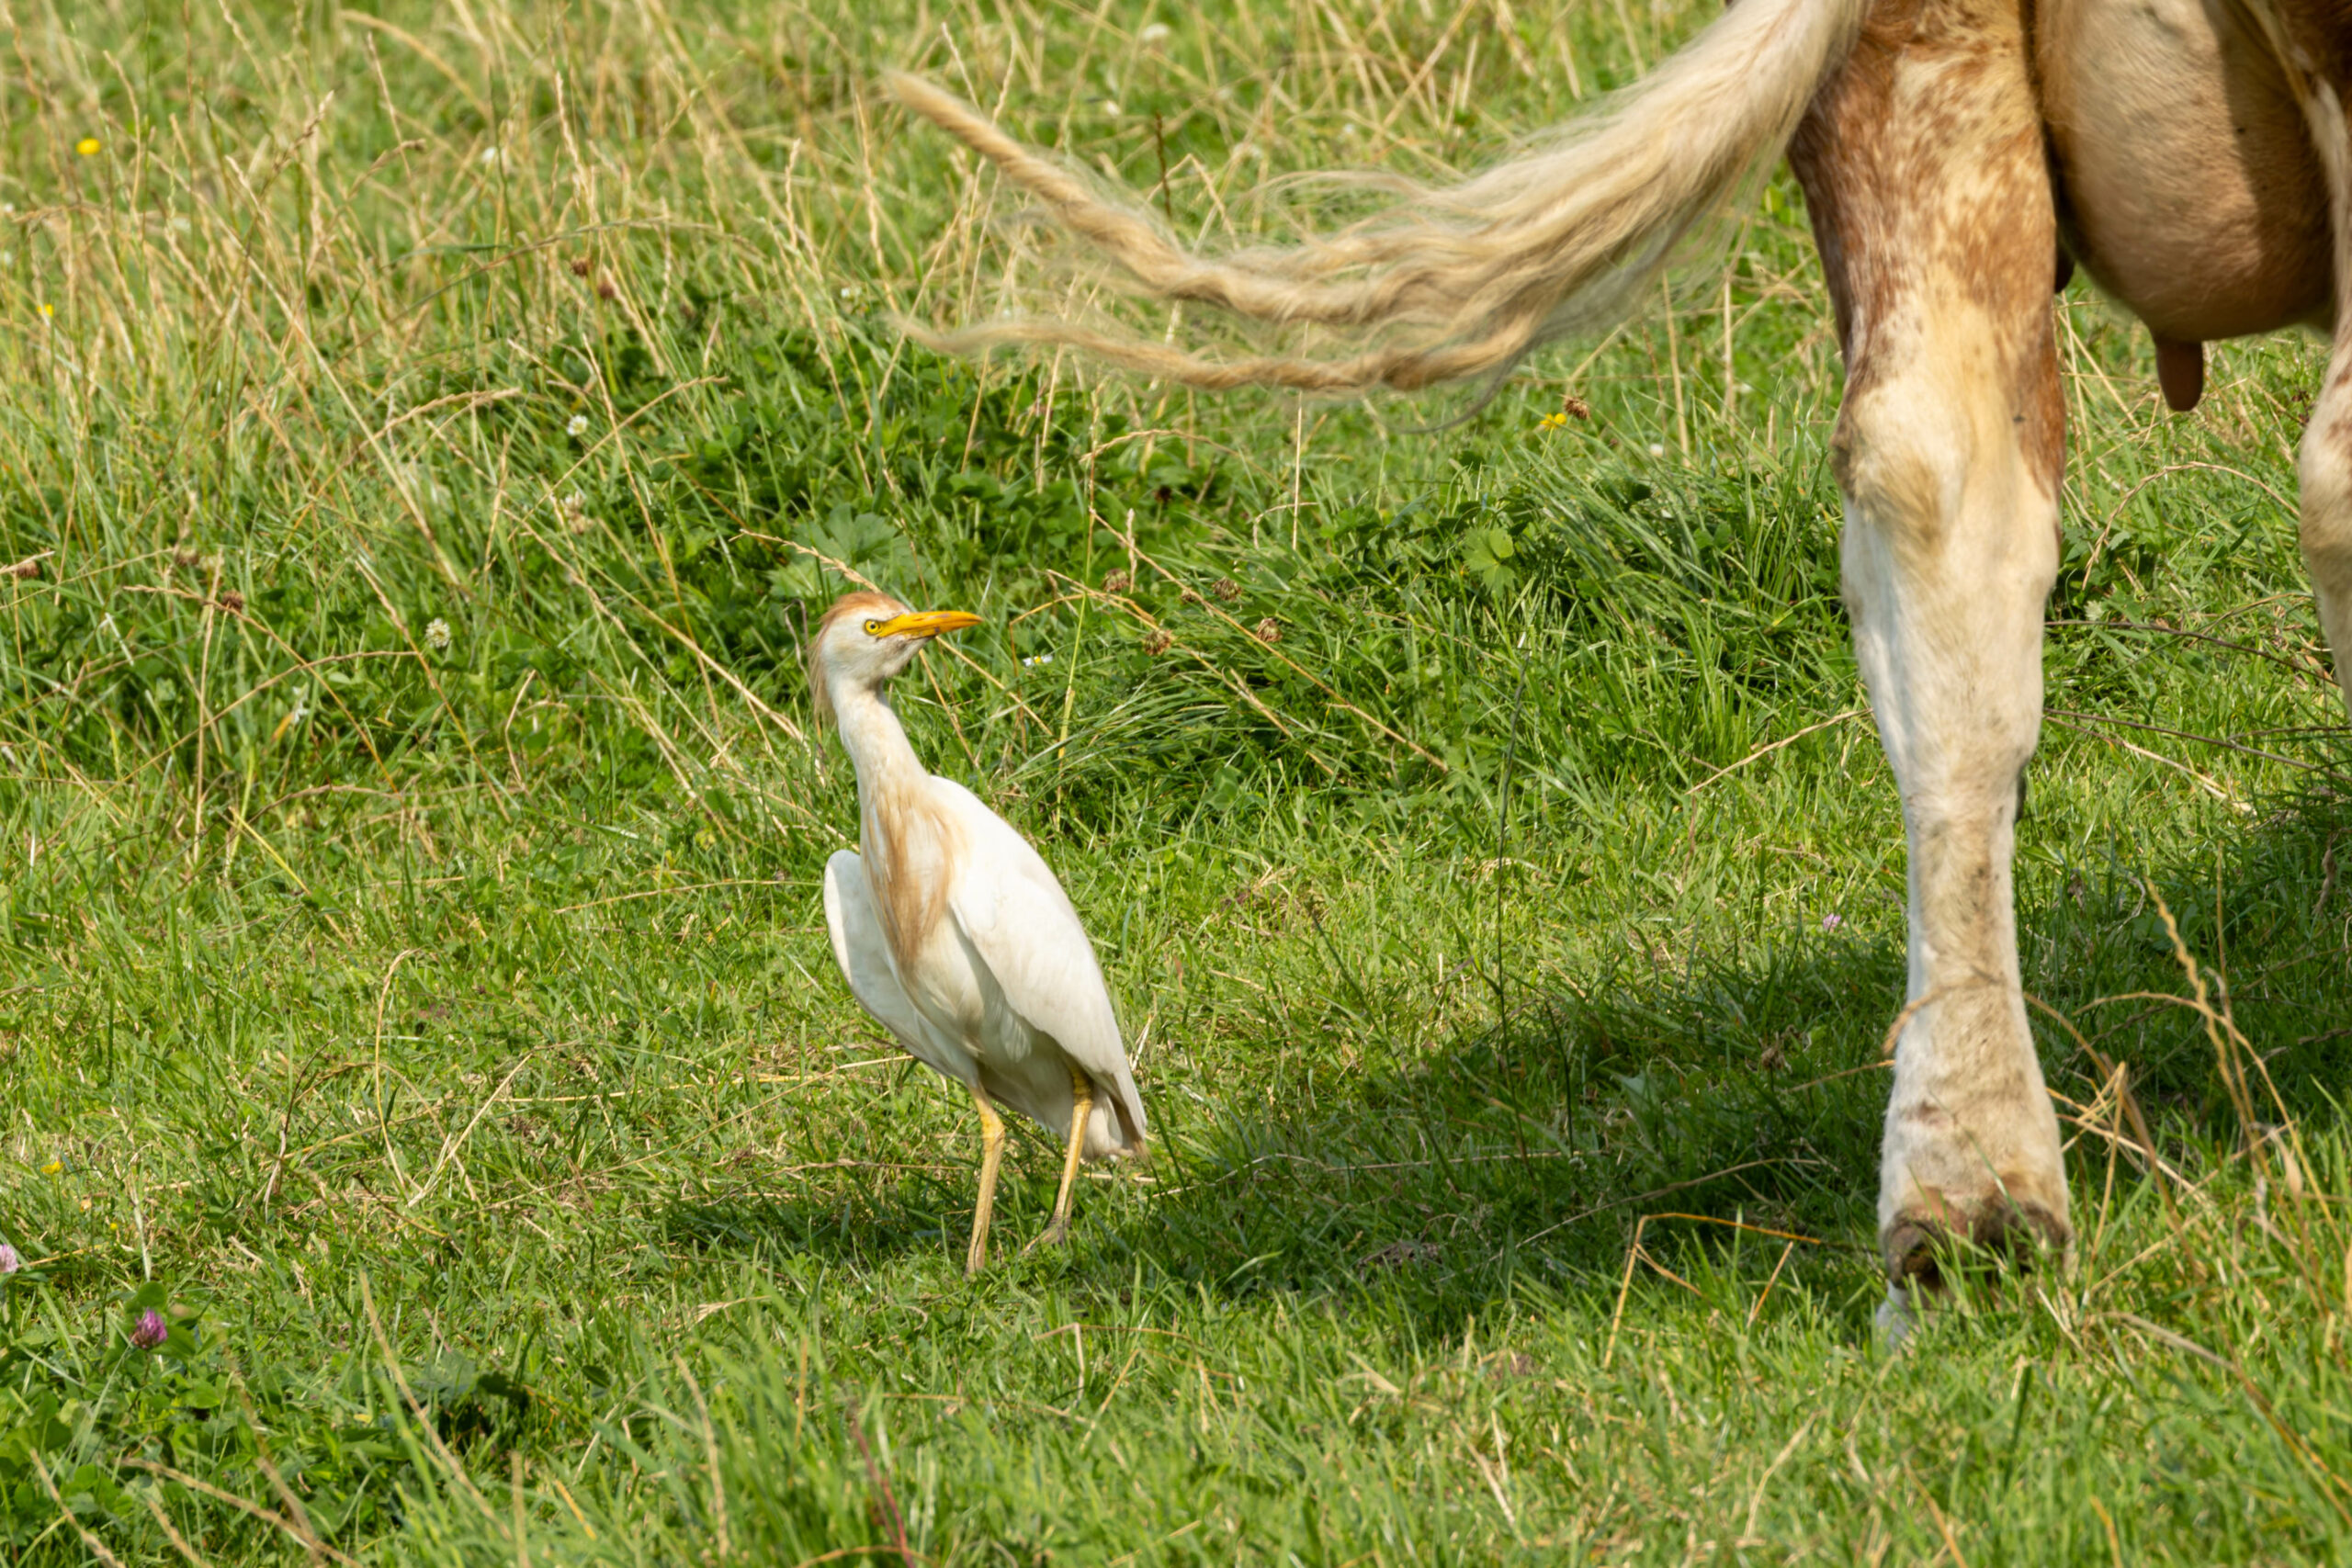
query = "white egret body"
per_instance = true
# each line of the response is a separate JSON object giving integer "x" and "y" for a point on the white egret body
{"x": 952, "y": 931}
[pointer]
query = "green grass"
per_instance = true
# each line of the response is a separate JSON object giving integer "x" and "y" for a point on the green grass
{"x": 441, "y": 1029}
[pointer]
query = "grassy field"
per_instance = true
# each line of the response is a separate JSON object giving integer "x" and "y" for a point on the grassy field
{"x": 428, "y": 436}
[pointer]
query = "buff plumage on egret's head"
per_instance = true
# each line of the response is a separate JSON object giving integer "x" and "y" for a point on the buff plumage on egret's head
{"x": 951, "y": 931}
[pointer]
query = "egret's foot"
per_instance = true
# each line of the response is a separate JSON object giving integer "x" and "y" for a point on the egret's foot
{"x": 976, "y": 1256}
{"x": 1052, "y": 1235}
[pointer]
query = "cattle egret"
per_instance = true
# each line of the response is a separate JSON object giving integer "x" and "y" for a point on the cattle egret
{"x": 952, "y": 931}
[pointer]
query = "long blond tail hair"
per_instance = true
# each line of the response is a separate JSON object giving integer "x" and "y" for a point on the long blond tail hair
{"x": 1462, "y": 280}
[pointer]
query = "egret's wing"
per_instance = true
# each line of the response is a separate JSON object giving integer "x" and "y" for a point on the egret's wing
{"x": 1010, "y": 908}
{"x": 864, "y": 958}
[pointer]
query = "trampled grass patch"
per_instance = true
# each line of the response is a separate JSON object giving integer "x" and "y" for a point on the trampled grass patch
{"x": 429, "y": 437}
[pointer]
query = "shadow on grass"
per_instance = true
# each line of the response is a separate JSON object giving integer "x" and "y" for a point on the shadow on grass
{"x": 860, "y": 1227}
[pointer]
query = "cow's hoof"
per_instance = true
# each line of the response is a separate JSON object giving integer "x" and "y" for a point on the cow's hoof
{"x": 1925, "y": 1244}
{"x": 1896, "y": 1317}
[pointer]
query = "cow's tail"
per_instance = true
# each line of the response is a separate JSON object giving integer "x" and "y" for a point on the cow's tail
{"x": 1460, "y": 281}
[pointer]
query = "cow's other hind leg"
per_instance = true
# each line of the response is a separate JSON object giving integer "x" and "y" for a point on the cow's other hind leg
{"x": 1922, "y": 163}
{"x": 2323, "y": 465}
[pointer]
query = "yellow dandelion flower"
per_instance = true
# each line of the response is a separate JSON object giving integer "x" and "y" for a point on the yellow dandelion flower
{"x": 89, "y": 146}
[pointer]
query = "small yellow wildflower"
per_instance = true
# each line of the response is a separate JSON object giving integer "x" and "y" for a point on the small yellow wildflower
{"x": 89, "y": 146}
{"x": 1553, "y": 422}
{"x": 48, "y": 311}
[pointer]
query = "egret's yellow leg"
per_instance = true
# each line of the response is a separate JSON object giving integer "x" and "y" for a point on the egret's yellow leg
{"x": 1083, "y": 1086}
{"x": 992, "y": 1155}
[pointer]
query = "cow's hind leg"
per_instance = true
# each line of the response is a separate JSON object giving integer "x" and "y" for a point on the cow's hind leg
{"x": 1923, "y": 168}
{"x": 2323, "y": 465}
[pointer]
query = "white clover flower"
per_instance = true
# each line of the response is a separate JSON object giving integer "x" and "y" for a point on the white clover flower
{"x": 1657, "y": 449}
{"x": 1153, "y": 36}
{"x": 436, "y": 634}
{"x": 579, "y": 425}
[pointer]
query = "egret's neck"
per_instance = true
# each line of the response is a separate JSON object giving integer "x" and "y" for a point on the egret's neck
{"x": 875, "y": 742}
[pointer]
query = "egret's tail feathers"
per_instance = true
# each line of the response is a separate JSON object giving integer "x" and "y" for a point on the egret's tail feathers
{"x": 1462, "y": 280}
{"x": 1039, "y": 1089}
{"x": 1115, "y": 1129}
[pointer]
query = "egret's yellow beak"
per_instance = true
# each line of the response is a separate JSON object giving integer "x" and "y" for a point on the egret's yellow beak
{"x": 924, "y": 623}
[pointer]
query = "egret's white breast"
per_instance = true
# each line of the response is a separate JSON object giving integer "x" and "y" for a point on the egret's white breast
{"x": 952, "y": 985}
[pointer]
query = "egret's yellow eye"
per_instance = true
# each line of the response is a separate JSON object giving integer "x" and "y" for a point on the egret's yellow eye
{"x": 872, "y": 628}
